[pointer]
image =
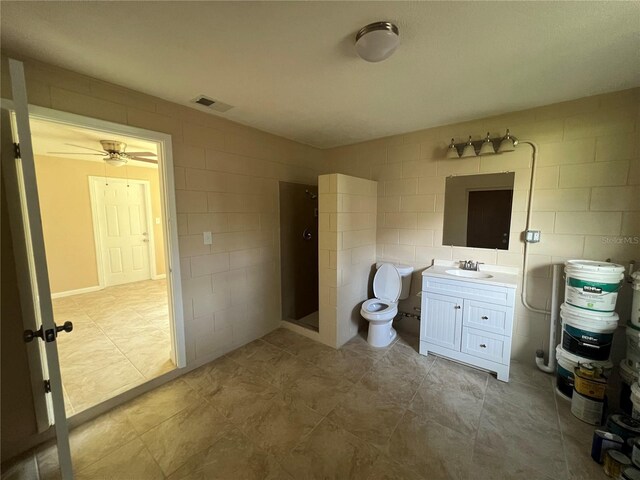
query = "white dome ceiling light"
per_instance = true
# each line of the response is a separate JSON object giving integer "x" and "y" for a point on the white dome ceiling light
{"x": 377, "y": 41}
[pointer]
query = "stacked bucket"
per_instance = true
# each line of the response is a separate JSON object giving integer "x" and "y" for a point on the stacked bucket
{"x": 630, "y": 366}
{"x": 588, "y": 324}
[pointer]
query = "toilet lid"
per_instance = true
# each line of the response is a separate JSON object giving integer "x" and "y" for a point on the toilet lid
{"x": 387, "y": 283}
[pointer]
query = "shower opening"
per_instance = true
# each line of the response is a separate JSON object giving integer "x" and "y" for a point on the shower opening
{"x": 299, "y": 253}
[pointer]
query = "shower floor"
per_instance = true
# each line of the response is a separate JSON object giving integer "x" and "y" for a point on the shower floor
{"x": 310, "y": 321}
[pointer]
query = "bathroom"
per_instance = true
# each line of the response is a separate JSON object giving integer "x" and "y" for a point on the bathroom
{"x": 279, "y": 377}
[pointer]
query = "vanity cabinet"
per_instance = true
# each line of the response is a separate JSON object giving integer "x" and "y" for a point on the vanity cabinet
{"x": 467, "y": 321}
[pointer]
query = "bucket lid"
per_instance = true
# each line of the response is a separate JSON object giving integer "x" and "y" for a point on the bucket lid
{"x": 630, "y": 474}
{"x": 593, "y": 266}
{"x": 575, "y": 359}
{"x": 619, "y": 457}
{"x": 387, "y": 284}
{"x": 628, "y": 374}
{"x": 589, "y": 314}
{"x": 626, "y": 422}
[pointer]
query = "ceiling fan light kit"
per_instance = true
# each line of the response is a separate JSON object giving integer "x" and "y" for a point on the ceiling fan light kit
{"x": 114, "y": 153}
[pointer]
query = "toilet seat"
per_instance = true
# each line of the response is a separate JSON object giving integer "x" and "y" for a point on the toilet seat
{"x": 376, "y": 309}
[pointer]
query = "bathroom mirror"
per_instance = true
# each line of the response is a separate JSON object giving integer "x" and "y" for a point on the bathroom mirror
{"x": 477, "y": 210}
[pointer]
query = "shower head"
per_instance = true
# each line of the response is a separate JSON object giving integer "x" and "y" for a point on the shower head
{"x": 311, "y": 194}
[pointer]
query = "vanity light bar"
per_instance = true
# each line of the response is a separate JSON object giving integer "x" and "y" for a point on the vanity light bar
{"x": 486, "y": 146}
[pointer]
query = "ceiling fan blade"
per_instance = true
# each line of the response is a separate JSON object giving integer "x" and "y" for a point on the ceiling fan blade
{"x": 76, "y": 153}
{"x": 147, "y": 160}
{"x": 141, "y": 154}
{"x": 87, "y": 148}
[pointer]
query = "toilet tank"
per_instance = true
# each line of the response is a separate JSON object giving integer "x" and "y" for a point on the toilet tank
{"x": 405, "y": 272}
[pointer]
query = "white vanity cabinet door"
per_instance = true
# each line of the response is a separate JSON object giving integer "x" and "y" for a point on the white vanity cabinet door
{"x": 441, "y": 320}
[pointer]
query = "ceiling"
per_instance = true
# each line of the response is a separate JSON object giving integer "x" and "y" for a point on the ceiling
{"x": 290, "y": 67}
{"x": 48, "y": 137}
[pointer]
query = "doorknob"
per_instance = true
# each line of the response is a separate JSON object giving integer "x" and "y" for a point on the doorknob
{"x": 47, "y": 335}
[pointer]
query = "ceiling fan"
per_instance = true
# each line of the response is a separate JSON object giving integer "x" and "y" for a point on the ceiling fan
{"x": 114, "y": 153}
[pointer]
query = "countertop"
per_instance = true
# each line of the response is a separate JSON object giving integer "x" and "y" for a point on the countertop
{"x": 500, "y": 276}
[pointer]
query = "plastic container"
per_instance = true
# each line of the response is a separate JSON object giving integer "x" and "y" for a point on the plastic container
{"x": 592, "y": 286}
{"x": 566, "y": 364}
{"x": 633, "y": 346}
{"x": 630, "y": 473}
{"x": 628, "y": 376}
{"x": 623, "y": 425}
{"x": 588, "y": 336}
{"x": 587, "y": 409}
{"x": 635, "y": 399}
{"x": 635, "y": 307}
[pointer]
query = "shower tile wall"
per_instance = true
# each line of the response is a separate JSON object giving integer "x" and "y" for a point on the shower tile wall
{"x": 347, "y": 250}
{"x": 298, "y": 256}
{"x": 587, "y": 193}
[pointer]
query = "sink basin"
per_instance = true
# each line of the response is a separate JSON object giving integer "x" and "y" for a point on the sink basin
{"x": 468, "y": 273}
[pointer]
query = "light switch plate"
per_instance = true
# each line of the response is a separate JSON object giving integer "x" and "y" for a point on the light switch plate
{"x": 208, "y": 238}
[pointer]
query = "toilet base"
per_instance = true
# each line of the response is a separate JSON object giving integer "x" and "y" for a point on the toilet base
{"x": 381, "y": 334}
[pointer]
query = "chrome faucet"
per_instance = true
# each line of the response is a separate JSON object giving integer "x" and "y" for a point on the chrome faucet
{"x": 469, "y": 265}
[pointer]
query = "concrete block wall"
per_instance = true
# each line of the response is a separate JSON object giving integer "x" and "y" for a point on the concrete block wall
{"x": 347, "y": 252}
{"x": 586, "y": 198}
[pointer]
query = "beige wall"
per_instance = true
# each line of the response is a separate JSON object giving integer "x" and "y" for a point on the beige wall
{"x": 347, "y": 251}
{"x": 226, "y": 181}
{"x": 63, "y": 185}
{"x": 587, "y": 193}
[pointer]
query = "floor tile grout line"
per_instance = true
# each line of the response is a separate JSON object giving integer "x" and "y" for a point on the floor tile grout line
{"x": 562, "y": 436}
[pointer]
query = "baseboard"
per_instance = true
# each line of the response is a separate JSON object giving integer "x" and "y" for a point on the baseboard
{"x": 79, "y": 291}
{"x": 159, "y": 277}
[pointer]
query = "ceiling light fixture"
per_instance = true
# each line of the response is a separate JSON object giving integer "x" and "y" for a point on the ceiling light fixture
{"x": 469, "y": 149}
{"x": 508, "y": 143}
{"x": 115, "y": 160}
{"x": 452, "y": 151}
{"x": 377, "y": 41}
{"x": 487, "y": 146}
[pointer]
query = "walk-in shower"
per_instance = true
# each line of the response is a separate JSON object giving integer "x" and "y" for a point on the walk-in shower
{"x": 299, "y": 253}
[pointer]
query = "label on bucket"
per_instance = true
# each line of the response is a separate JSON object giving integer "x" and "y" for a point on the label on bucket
{"x": 594, "y": 296}
{"x": 564, "y": 381}
{"x": 592, "y": 345}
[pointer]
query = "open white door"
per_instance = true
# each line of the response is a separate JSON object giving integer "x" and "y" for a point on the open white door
{"x": 26, "y": 225}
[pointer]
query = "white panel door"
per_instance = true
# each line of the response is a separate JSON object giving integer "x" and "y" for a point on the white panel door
{"x": 441, "y": 320}
{"x": 123, "y": 228}
{"x": 31, "y": 265}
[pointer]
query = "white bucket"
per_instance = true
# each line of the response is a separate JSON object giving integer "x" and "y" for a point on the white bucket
{"x": 633, "y": 347}
{"x": 635, "y": 398}
{"x": 587, "y": 409}
{"x": 627, "y": 374}
{"x": 567, "y": 363}
{"x": 587, "y": 335}
{"x": 592, "y": 286}
{"x": 635, "y": 308}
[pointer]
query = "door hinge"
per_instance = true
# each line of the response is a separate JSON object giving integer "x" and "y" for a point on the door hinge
{"x": 47, "y": 386}
{"x": 16, "y": 150}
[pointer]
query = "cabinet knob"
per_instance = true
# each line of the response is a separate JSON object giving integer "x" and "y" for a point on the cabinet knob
{"x": 457, "y": 307}
{"x": 482, "y": 345}
{"x": 484, "y": 317}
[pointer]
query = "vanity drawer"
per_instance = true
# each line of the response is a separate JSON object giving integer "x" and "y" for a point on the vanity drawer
{"x": 466, "y": 289}
{"x": 487, "y": 317}
{"x": 489, "y": 346}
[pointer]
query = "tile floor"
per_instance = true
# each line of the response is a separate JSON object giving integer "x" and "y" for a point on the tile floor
{"x": 285, "y": 407}
{"x": 120, "y": 339}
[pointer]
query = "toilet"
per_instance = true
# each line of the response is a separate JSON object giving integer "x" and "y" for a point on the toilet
{"x": 391, "y": 283}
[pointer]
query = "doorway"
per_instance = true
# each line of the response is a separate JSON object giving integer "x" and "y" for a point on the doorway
{"x": 299, "y": 254}
{"x": 489, "y": 218}
{"x": 109, "y": 240}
